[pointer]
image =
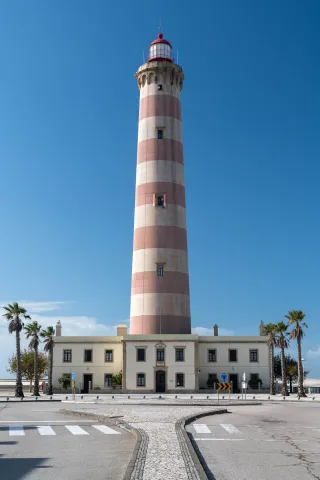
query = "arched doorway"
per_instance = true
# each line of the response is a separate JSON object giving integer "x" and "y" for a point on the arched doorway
{"x": 160, "y": 381}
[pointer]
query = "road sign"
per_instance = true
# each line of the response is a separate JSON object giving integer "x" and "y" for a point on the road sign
{"x": 73, "y": 377}
{"x": 244, "y": 377}
{"x": 244, "y": 385}
{"x": 224, "y": 377}
{"x": 224, "y": 386}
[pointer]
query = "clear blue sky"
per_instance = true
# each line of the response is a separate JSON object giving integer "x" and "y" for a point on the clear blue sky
{"x": 68, "y": 137}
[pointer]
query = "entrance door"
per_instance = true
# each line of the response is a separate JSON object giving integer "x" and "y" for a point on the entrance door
{"x": 160, "y": 381}
{"x": 87, "y": 377}
{"x": 233, "y": 377}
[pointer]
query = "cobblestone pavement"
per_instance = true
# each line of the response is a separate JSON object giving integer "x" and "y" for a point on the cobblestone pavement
{"x": 164, "y": 457}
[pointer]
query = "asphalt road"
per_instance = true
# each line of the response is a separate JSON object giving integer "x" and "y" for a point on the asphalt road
{"x": 37, "y": 443}
{"x": 263, "y": 442}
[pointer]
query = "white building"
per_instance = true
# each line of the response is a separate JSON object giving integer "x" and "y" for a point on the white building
{"x": 159, "y": 363}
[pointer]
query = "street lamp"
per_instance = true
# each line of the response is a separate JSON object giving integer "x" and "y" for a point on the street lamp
{"x": 302, "y": 360}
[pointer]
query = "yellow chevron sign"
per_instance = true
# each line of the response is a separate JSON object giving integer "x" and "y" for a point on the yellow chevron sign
{"x": 224, "y": 386}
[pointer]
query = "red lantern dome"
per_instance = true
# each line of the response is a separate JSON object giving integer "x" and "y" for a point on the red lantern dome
{"x": 160, "y": 50}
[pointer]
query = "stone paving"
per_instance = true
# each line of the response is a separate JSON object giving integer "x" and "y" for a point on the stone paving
{"x": 164, "y": 457}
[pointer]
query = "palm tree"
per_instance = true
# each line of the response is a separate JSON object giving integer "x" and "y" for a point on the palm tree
{"x": 270, "y": 329}
{"x": 295, "y": 318}
{"x": 282, "y": 342}
{"x": 13, "y": 313}
{"x": 47, "y": 335}
{"x": 32, "y": 331}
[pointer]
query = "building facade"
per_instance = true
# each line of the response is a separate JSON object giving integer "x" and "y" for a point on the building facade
{"x": 159, "y": 363}
{"x": 160, "y": 302}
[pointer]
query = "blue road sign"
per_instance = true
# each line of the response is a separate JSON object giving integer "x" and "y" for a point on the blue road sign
{"x": 73, "y": 377}
{"x": 224, "y": 377}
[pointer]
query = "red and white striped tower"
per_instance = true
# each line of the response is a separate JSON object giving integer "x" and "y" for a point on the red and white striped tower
{"x": 160, "y": 301}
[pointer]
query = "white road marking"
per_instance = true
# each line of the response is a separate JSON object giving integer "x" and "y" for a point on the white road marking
{"x": 76, "y": 430}
{"x": 230, "y": 428}
{"x": 44, "y": 421}
{"x": 105, "y": 429}
{"x": 16, "y": 431}
{"x": 46, "y": 430}
{"x": 201, "y": 428}
{"x": 222, "y": 439}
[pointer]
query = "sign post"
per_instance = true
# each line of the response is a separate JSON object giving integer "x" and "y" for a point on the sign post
{"x": 73, "y": 385}
{"x": 244, "y": 386}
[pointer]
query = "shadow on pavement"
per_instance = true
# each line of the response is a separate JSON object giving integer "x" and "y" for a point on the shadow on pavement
{"x": 17, "y": 468}
{"x": 8, "y": 443}
{"x": 205, "y": 467}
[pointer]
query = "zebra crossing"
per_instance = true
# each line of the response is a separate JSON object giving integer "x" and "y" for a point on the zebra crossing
{"x": 229, "y": 432}
{"x": 50, "y": 430}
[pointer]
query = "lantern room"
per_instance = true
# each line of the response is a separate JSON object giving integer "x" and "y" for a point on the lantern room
{"x": 160, "y": 50}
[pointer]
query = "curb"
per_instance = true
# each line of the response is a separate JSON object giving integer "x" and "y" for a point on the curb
{"x": 231, "y": 404}
{"x": 136, "y": 463}
{"x": 29, "y": 401}
{"x": 196, "y": 469}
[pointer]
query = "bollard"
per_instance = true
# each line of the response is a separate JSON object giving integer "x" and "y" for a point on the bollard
{"x": 269, "y": 397}
{"x": 254, "y": 397}
{"x": 284, "y": 398}
{"x": 50, "y": 398}
{"x": 223, "y": 397}
{"x": 238, "y": 397}
{"x": 66, "y": 398}
{"x": 313, "y": 398}
{"x": 191, "y": 396}
{"x": 36, "y": 398}
{"x": 112, "y": 396}
{"x": 176, "y": 396}
{"x": 7, "y": 399}
{"x": 207, "y": 397}
{"x": 128, "y": 396}
{"x": 81, "y": 397}
{"x": 159, "y": 396}
{"x": 21, "y": 399}
{"x": 144, "y": 396}
{"x": 97, "y": 397}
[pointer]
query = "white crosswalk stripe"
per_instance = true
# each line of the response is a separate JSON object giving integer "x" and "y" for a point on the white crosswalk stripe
{"x": 105, "y": 429}
{"x": 76, "y": 430}
{"x": 201, "y": 428}
{"x": 15, "y": 430}
{"x": 46, "y": 430}
{"x": 230, "y": 428}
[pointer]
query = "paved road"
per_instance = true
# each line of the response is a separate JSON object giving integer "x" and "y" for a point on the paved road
{"x": 263, "y": 442}
{"x": 38, "y": 443}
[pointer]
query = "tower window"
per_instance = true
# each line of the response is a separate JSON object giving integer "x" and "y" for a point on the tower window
{"x": 160, "y": 134}
{"x": 159, "y": 87}
{"x": 160, "y": 201}
{"x": 160, "y": 270}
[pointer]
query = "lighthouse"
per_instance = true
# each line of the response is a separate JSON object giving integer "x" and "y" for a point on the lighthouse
{"x": 160, "y": 300}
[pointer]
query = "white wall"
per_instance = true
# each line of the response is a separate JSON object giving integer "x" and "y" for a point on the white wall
{"x": 98, "y": 367}
{"x": 243, "y": 365}
{"x": 171, "y": 367}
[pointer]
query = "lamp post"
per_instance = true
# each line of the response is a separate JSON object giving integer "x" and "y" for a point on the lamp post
{"x": 302, "y": 360}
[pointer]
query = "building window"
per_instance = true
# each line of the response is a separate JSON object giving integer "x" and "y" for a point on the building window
{"x": 108, "y": 379}
{"x": 159, "y": 87}
{"x": 141, "y": 354}
{"x": 212, "y": 356}
{"x": 160, "y": 270}
{"x": 179, "y": 355}
{"x": 233, "y": 357}
{"x": 160, "y": 200}
{"x": 67, "y": 356}
{"x": 141, "y": 380}
{"x": 109, "y": 356}
{"x": 212, "y": 379}
{"x": 179, "y": 380}
{"x": 160, "y": 134}
{"x": 88, "y": 355}
{"x": 160, "y": 355}
{"x": 254, "y": 356}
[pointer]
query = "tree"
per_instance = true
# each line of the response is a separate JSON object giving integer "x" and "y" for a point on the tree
{"x": 48, "y": 341}
{"x": 291, "y": 369}
{"x": 13, "y": 313}
{"x": 32, "y": 331}
{"x": 282, "y": 342}
{"x": 27, "y": 365}
{"x": 295, "y": 318}
{"x": 270, "y": 332}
